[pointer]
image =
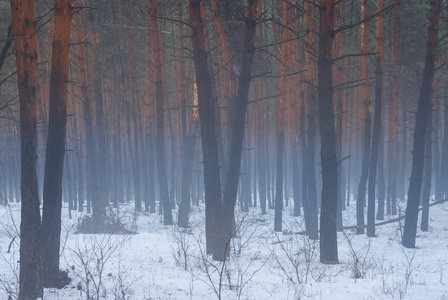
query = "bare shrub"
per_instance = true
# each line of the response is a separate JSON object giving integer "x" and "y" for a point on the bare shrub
{"x": 359, "y": 263}
{"x": 90, "y": 258}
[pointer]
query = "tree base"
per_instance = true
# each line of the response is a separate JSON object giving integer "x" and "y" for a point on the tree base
{"x": 62, "y": 280}
{"x": 329, "y": 262}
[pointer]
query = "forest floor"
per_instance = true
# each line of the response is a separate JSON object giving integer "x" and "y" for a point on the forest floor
{"x": 167, "y": 262}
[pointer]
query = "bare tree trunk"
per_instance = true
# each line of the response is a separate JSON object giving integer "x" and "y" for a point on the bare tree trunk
{"x": 280, "y": 129}
{"x": 436, "y": 152}
{"x": 444, "y": 159}
{"x": 361, "y": 195}
{"x": 418, "y": 149}
{"x": 428, "y": 173}
{"x": 328, "y": 237}
{"x": 381, "y": 181}
{"x": 136, "y": 160}
{"x": 443, "y": 193}
{"x": 239, "y": 120}
{"x": 393, "y": 123}
{"x": 376, "y": 132}
{"x": 150, "y": 155}
{"x": 160, "y": 107}
{"x": 207, "y": 117}
{"x": 338, "y": 95}
{"x": 54, "y": 156}
{"x": 260, "y": 148}
{"x": 98, "y": 203}
{"x": 24, "y": 25}
{"x": 187, "y": 169}
{"x": 309, "y": 159}
{"x": 79, "y": 158}
{"x": 103, "y": 155}
{"x": 188, "y": 138}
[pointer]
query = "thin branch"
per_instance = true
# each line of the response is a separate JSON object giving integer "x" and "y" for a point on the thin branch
{"x": 263, "y": 98}
{"x": 6, "y": 47}
{"x": 279, "y": 43}
{"x": 175, "y": 21}
{"x": 280, "y": 76}
{"x": 7, "y": 77}
{"x": 7, "y": 103}
{"x": 353, "y": 25}
{"x": 348, "y": 87}
{"x": 353, "y": 55}
{"x": 353, "y": 81}
{"x": 384, "y": 222}
{"x": 312, "y": 3}
{"x": 83, "y": 7}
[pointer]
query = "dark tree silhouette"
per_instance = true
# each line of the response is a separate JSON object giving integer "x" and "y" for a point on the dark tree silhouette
{"x": 418, "y": 148}
{"x": 328, "y": 237}
{"x": 54, "y": 156}
{"x": 24, "y": 26}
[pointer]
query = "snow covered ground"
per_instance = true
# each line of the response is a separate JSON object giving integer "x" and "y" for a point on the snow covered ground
{"x": 166, "y": 262}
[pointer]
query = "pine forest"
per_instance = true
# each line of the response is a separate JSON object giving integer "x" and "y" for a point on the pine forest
{"x": 232, "y": 149}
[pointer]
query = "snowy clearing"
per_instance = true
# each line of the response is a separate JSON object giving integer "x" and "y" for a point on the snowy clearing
{"x": 167, "y": 262}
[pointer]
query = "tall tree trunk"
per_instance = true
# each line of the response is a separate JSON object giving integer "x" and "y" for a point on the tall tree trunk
{"x": 393, "y": 162}
{"x": 187, "y": 169}
{"x": 54, "y": 156}
{"x": 376, "y": 132}
{"x": 160, "y": 107}
{"x": 444, "y": 159}
{"x": 188, "y": 138}
{"x": 260, "y": 148}
{"x": 290, "y": 101}
{"x": 150, "y": 74}
{"x": 361, "y": 196}
{"x": 98, "y": 203}
{"x": 280, "y": 128}
{"x": 230, "y": 90}
{"x": 381, "y": 181}
{"x": 79, "y": 158}
{"x": 136, "y": 160}
{"x": 436, "y": 152}
{"x": 339, "y": 95}
{"x": 24, "y": 25}
{"x": 239, "y": 120}
{"x": 310, "y": 202}
{"x": 102, "y": 155}
{"x": 418, "y": 149}
{"x": 207, "y": 117}
{"x": 219, "y": 134}
{"x": 328, "y": 237}
{"x": 444, "y": 155}
{"x": 428, "y": 173}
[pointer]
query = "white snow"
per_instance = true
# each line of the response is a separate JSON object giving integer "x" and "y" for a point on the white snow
{"x": 263, "y": 264}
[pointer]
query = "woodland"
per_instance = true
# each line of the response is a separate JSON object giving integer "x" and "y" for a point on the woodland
{"x": 283, "y": 109}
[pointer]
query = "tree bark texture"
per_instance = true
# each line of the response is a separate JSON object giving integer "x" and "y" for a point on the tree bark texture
{"x": 54, "y": 156}
{"x": 160, "y": 111}
{"x": 376, "y": 131}
{"x": 93, "y": 196}
{"x": 310, "y": 201}
{"x": 207, "y": 118}
{"x": 428, "y": 174}
{"x": 329, "y": 164}
{"x": 239, "y": 120}
{"x": 24, "y": 25}
{"x": 393, "y": 127}
{"x": 361, "y": 196}
{"x": 418, "y": 149}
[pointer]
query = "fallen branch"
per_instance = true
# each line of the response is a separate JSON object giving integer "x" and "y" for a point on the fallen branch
{"x": 384, "y": 222}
